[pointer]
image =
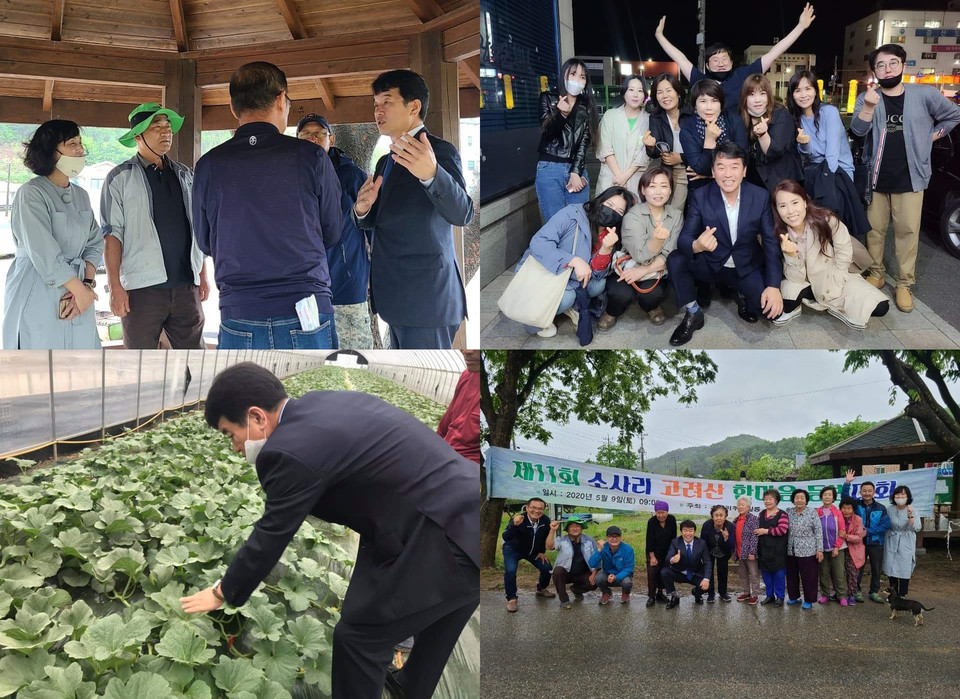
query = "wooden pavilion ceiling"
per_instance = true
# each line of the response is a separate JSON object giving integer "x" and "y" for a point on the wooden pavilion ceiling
{"x": 119, "y": 51}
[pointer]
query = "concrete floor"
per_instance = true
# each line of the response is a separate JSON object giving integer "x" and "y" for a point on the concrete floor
{"x": 718, "y": 650}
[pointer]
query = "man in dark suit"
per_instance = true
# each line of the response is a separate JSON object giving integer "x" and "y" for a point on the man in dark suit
{"x": 689, "y": 563}
{"x": 411, "y": 202}
{"x": 721, "y": 243}
{"x": 352, "y": 459}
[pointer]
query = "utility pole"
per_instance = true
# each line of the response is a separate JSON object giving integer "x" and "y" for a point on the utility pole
{"x": 642, "y": 452}
{"x": 702, "y": 14}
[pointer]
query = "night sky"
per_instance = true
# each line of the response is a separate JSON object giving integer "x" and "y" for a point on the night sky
{"x": 625, "y": 28}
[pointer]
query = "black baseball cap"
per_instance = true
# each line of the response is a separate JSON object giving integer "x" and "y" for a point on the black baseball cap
{"x": 614, "y": 531}
{"x": 316, "y": 119}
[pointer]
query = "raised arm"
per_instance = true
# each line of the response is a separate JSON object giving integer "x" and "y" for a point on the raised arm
{"x": 770, "y": 57}
{"x": 686, "y": 67}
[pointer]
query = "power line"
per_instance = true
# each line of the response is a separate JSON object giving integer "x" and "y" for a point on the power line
{"x": 776, "y": 397}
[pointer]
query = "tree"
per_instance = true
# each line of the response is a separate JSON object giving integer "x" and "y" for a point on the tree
{"x": 828, "y": 433}
{"x": 522, "y": 391}
{"x": 941, "y": 368}
{"x": 769, "y": 468}
{"x": 616, "y": 455}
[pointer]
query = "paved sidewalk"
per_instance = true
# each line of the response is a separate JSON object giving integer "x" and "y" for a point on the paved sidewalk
{"x": 920, "y": 329}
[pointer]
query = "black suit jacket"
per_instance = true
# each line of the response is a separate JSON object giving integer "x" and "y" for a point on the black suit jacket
{"x": 700, "y": 564}
{"x": 706, "y": 208}
{"x": 414, "y": 278}
{"x": 353, "y": 459}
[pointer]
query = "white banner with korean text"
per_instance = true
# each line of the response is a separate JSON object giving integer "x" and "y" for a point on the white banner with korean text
{"x": 522, "y": 475}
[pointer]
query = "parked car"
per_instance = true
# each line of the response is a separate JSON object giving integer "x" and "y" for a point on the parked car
{"x": 941, "y": 203}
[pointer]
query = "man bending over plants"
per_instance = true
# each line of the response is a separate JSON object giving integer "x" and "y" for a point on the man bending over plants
{"x": 353, "y": 459}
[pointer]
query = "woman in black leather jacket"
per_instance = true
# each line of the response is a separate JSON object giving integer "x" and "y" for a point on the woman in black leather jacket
{"x": 568, "y": 122}
{"x": 772, "y": 135}
{"x": 668, "y": 110}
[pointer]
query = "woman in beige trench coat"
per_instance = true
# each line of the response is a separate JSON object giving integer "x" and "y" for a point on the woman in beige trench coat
{"x": 623, "y": 158}
{"x": 818, "y": 252}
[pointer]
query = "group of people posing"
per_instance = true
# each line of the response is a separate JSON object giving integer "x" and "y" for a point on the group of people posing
{"x": 724, "y": 187}
{"x": 822, "y": 550}
{"x": 299, "y": 234}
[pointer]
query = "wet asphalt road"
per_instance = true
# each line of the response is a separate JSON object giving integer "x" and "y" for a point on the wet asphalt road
{"x": 719, "y": 650}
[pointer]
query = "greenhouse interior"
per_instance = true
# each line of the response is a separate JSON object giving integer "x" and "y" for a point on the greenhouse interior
{"x": 117, "y": 499}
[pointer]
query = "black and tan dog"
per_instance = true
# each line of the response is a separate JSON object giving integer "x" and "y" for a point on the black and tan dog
{"x": 902, "y": 604}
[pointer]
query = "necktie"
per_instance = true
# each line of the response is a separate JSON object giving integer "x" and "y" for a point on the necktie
{"x": 689, "y": 560}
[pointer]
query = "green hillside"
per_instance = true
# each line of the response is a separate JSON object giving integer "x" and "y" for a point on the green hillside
{"x": 732, "y": 452}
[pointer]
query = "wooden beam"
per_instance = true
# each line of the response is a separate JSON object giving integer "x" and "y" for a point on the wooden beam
{"x": 425, "y": 10}
{"x": 469, "y": 12}
{"x": 471, "y": 68}
{"x": 326, "y": 93}
{"x": 461, "y": 41}
{"x": 349, "y": 110}
{"x": 179, "y": 25}
{"x": 469, "y": 103}
{"x": 182, "y": 95}
{"x": 290, "y": 16}
{"x": 23, "y": 110}
{"x": 48, "y": 96}
{"x": 56, "y": 20}
{"x": 69, "y": 61}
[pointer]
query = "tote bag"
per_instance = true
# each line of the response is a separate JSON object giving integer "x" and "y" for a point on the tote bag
{"x": 534, "y": 293}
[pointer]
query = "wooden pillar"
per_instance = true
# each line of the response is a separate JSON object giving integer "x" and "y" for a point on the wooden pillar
{"x": 182, "y": 95}
{"x": 443, "y": 115}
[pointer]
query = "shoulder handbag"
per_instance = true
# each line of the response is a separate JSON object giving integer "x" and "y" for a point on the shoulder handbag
{"x": 533, "y": 295}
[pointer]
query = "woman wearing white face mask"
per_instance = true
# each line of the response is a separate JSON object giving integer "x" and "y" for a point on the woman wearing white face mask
{"x": 48, "y": 302}
{"x": 622, "y": 155}
{"x": 900, "y": 546}
{"x": 568, "y": 125}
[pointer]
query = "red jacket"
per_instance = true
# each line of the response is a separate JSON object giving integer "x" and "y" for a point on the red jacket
{"x": 460, "y": 425}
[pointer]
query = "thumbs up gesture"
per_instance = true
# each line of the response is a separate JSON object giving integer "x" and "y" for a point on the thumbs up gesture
{"x": 676, "y": 559}
{"x": 706, "y": 240}
{"x": 649, "y": 140}
{"x": 517, "y": 520}
{"x": 713, "y": 131}
{"x": 802, "y": 138}
{"x": 788, "y": 246}
{"x": 871, "y": 97}
{"x": 760, "y": 128}
{"x": 554, "y": 525}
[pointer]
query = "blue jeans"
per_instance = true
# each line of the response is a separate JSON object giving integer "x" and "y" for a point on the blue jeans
{"x": 595, "y": 287}
{"x": 775, "y": 583}
{"x": 551, "y": 183}
{"x": 511, "y": 559}
{"x": 277, "y": 333}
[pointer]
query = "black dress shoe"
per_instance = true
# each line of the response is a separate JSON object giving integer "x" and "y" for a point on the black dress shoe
{"x": 651, "y": 601}
{"x": 743, "y": 312}
{"x": 698, "y": 599}
{"x": 674, "y": 602}
{"x": 691, "y": 323}
{"x": 768, "y": 600}
{"x": 778, "y": 602}
{"x": 662, "y": 597}
{"x": 704, "y": 295}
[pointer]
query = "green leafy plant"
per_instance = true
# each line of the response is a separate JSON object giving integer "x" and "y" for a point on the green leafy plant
{"x": 98, "y": 551}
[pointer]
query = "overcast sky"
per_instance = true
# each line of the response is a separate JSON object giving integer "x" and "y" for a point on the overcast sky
{"x": 770, "y": 394}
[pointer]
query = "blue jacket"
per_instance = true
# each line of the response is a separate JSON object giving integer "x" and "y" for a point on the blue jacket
{"x": 553, "y": 245}
{"x": 619, "y": 563}
{"x": 265, "y": 207}
{"x": 414, "y": 277}
{"x": 875, "y": 519}
{"x": 349, "y": 259}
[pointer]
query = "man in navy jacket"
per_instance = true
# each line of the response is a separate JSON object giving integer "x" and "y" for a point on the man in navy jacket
{"x": 710, "y": 250}
{"x": 349, "y": 258}
{"x": 689, "y": 562}
{"x": 353, "y": 459}
{"x": 265, "y": 207}
{"x": 412, "y": 202}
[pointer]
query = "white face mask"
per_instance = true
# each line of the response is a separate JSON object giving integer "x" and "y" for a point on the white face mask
{"x": 900, "y": 501}
{"x": 574, "y": 87}
{"x": 252, "y": 447}
{"x": 71, "y": 165}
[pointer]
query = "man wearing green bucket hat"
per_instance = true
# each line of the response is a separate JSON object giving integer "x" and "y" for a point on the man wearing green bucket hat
{"x": 572, "y": 565}
{"x": 155, "y": 270}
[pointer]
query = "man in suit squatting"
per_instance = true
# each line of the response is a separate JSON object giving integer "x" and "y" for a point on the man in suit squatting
{"x": 689, "y": 563}
{"x": 353, "y": 459}
{"x": 720, "y": 243}
{"x": 411, "y": 202}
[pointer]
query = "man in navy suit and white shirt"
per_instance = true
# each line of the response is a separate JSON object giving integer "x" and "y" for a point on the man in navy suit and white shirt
{"x": 721, "y": 243}
{"x": 689, "y": 563}
{"x": 411, "y": 202}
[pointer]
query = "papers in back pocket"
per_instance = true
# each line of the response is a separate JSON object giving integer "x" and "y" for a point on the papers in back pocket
{"x": 308, "y": 313}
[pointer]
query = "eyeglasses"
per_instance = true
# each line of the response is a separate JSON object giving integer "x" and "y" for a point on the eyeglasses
{"x": 892, "y": 65}
{"x": 663, "y": 147}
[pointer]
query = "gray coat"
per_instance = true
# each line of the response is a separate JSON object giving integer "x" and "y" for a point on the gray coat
{"x": 900, "y": 545}
{"x": 805, "y": 537}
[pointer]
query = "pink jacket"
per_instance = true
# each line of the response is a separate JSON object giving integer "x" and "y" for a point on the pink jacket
{"x": 855, "y": 533}
{"x": 841, "y": 525}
